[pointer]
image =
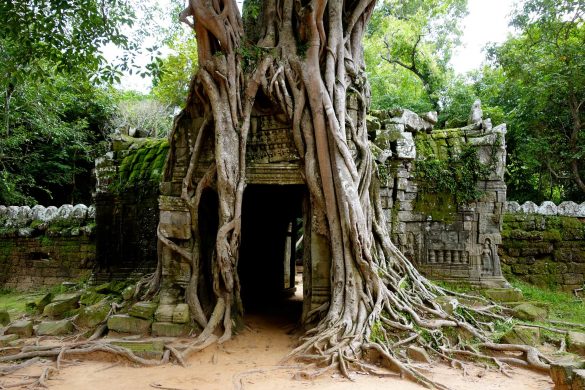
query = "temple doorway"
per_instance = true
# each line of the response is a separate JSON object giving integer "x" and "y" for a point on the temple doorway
{"x": 269, "y": 248}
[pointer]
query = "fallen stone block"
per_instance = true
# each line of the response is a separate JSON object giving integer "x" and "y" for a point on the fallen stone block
{"x": 40, "y": 303}
{"x": 529, "y": 312}
{"x": 22, "y": 328}
{"x": 123, "y": 323}
{"x": 143, "y": 310}
{"x": 164, "y": 313}
{"x": 93, "y": 315}
{"x": 145, "y": 349}
{"x": 576, "y": 343}
{"x": 562, "y": 374}
{"x": 168, "y": 329}
{"x": 522, "y": 335}
{"x": 55, "y": 328}
{"x": 5, "y": 340}
{"x": 503, "y": 294}
{"x": 578, "y": 380}
{"x": 58, "y": 309}
{"x": 418, "y": 354}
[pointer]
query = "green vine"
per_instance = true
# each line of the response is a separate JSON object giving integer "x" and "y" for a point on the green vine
{"x": 456, "y": 175}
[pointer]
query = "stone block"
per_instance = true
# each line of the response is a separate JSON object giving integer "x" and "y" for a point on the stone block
{"x": 55, "y": 328}
{"x": 89, "y": 298}
{"x": 562, "y": 374}
{"x": 145, "y": 349}
{"x": 578, "y": 380}
{"x": 168, "y": 329}
{"x": 504, "y": 294}
{"x": 59, "y": 308}
{"x": 143, "y": 310}
{"x": 22, "y": 328}
{"x": 123, "y": 323}
{"x": 576, "y": 343}
{"x": 93, "y": 315}
{"x": 522, "y": 335}
{"x": 5, "y": 340}
{"x": 529, "y": 312}
{"x": 164, "y": 313}
{"x": 181, "y": 314}
{"x": 4, "y": 318}
{"x": 40, "y": 303}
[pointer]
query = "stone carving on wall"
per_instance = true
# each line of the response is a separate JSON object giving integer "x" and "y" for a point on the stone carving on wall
{"x": 461, "y": 243}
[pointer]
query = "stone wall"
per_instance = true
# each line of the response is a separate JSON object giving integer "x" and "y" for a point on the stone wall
{"x": 447, "y": 239}
{"x": 545, "y": 245}
{"x": 126, "y": 202}
{"x": 44, "y": 246}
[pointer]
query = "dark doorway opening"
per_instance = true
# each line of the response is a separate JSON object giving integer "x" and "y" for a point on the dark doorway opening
{"x": 271, "y": 228}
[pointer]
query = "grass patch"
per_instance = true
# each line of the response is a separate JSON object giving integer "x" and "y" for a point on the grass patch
{"x": 562, "y": 305}
{"x": 14, "y": 302}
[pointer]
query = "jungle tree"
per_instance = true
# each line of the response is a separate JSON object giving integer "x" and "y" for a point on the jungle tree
{"x": 306, "y": 57}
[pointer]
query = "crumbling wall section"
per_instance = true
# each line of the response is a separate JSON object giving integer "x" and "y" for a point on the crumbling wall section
{"x": 443, "y": 192}
{"x": 545, "y": 245}
{"x": 44, "y": 246}
{"x": 126, "y": 202}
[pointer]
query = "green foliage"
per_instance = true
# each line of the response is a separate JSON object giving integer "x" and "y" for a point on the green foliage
{"x": 544, "y": 99}
{"x": 457, "y": 175}
{"x": 177, "y": 69}
{"x": 56, "y": 124}
{"x": 562, "y": 306}
{"x": 407, "y": 51}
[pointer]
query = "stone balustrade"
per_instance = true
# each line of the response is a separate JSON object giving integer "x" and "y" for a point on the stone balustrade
{"x": 43, "y": 246}
{"x": 564, "y": 209}
{"x": 25, "y": 221}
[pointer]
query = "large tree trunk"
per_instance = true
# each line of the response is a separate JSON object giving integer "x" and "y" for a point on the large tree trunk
{"x": 306, "y": 57}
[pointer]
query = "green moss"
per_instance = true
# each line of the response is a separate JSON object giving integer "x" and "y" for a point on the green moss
{"x": 143, "y": 165}
{"x": 456, "y": 175}
{"x": 440, "y": 206}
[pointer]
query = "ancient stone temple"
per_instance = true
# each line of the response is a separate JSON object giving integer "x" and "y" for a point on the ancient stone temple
{"x": 446, "y": 239}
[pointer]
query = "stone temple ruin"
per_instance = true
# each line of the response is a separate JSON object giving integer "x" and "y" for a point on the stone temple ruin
{"x": 446, "y": 240}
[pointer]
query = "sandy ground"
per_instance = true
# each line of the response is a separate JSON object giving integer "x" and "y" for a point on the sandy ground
{"x": 252, "y": 360}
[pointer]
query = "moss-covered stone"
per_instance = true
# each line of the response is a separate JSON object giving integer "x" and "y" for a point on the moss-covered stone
{"x": 145, "y": 349}
{"x": 40, "y": 303}
{"x": 89, "y": 298}
{"x": 529, "y": 312}
{"x": 576, "y": 343}
{"x": 169, "y": 329}
{"x": 93, "y": 315}
{"x": 22, "y": 328}
{"x": 562, "y": 373}
{"x": 5, "y": 340}
{"x": 522, "y": 335}
{"x": 54, "y": 328}
{"x": 143, "y": 310}
{"x": 503, "y": 294}
{"x": 123, "y": 323}
{"x": 62, "y": 305}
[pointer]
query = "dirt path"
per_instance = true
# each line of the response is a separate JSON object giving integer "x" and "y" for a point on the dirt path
{"x": 252, "y": 360}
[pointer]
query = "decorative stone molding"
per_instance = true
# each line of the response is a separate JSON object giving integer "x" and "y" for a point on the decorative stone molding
{"x": 565, "y": 209}
{"x": 23, "y": 221}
